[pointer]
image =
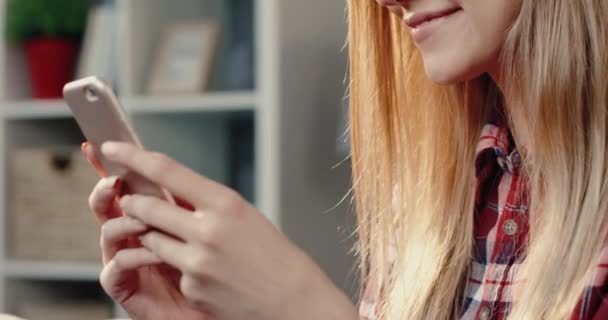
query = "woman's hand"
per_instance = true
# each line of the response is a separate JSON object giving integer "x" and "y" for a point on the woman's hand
{"x": 132, "y": 275}
{"x": 234, "y": 263}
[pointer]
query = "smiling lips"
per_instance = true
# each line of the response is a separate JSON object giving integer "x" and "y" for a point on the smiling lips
{"x": 422, "y": 24}
{"x": 417, "y": 19}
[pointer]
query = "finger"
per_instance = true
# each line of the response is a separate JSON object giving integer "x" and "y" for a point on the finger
{"x": 117, "y": 272}
{"x": 177, "y": 179}
{"x": 89, "y": 152}
{"x": 116, "y": 232}
{"x": 170, "y": 250}
{"x": 102, "y": 200}
{"x": 161, "y": 215}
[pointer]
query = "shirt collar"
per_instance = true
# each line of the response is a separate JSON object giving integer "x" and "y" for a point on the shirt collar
{"x": 496, "y": 144}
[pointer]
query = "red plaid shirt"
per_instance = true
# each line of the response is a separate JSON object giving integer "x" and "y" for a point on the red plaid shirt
{"x": 501, "y": 232}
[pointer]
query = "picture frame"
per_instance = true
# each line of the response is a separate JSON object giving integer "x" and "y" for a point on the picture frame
{"x": 185, "y": 59}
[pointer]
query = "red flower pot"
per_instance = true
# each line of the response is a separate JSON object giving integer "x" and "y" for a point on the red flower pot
{"x": 51, "y": 64}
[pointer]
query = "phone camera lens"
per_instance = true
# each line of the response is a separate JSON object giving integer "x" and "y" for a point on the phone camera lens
{"x": 91, "y": 94}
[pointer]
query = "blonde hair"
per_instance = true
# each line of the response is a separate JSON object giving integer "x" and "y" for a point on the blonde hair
{"x": 413, "y": 159}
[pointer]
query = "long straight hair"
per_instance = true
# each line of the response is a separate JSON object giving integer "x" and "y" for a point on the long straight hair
{"x": 413, "y": 148}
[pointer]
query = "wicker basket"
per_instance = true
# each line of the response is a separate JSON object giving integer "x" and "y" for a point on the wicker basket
{"x": 49, "y": 218}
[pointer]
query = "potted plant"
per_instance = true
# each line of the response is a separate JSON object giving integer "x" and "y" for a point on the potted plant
{"x": 50, "y": 32}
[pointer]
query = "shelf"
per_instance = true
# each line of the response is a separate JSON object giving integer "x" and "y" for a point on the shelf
{"x": 35, "y": 109}
{"x": 51, "y": 271}
{"x": 211, "y": 102}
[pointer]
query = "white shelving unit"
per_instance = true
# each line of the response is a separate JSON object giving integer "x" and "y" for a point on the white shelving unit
{"x": 51, "y": 270}
{"x": 292, "y": 108}
{"x": 211, "y": 102}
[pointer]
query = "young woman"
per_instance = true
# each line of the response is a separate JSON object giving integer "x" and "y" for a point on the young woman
{"x": 479, "y": 132}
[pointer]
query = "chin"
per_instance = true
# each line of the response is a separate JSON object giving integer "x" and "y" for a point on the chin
{"x": 446, "y": 76}
{"x": 451, "y": 73}
{"x": 443, "y": 78}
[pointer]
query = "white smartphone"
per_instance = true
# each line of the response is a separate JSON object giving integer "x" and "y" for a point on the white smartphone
{"x": 101, "y": 118}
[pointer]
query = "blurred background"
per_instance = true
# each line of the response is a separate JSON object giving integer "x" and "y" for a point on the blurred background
{"x": 247, "y": 92}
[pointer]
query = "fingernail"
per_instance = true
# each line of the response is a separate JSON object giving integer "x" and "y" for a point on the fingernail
{"x": 109, "y": 148}
{"x": 83, "y": 147}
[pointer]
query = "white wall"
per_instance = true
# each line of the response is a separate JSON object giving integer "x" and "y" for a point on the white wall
{"x": 312, "y": 70}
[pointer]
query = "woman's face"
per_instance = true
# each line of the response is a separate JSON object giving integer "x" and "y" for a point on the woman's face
{"x": 458, "y": 39}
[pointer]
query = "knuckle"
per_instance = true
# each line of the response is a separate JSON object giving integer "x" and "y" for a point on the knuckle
{"x": 198, "y": 303}
{"x": 110, "y": 286}
{"x": 140, "y": 204}
{"x": 231, "y": 202}
{"x": 135, "y": 204}
{"x": 194, "y": 293}
{"x": 188, "y": 287}
{"x": 116, "y": 229}
{"x": 150, "y": 240}
{"x": 104, "y": 280}
{"x": 104, "y": 235}
{"x": 158, "y": 157}
{"x": 95, "y": 200}
{"x": 211, "y": 236}
{"x": 106, "y": 228}
{"x": 102, "y": 242}
{"x": 91, "y": 201}
{"x": 119, "y": 260}
{"x": 161, "y": 164}
{"x": 197, "y": 263}
{"x": 108, "y": 231}
{"x": 126, "y": 203}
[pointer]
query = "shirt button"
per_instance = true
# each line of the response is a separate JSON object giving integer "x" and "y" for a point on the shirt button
{"x": 509, "y": 227}
{"x": 502, "y": 162}
{"x": 484, "y": 313}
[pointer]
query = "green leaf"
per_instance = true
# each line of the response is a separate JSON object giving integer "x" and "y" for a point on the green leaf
{"x": 27, "y": 19}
